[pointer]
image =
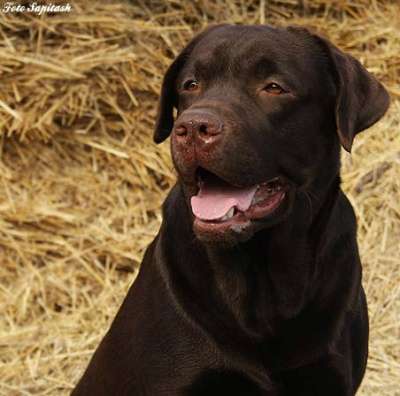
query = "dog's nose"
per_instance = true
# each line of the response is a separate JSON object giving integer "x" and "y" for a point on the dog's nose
{"x": 203, "y": 127}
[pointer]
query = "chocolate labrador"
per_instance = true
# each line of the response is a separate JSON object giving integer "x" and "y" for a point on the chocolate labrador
{"x": 253, "y": 284}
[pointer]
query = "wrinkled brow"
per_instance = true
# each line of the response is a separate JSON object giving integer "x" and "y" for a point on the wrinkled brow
{"x": 210, "y": 69}
{"x": 219, "y": 64}
{"x": 213, "y": 63}
{"x": 202, "y": 68}
{"x": 261, "y": 68}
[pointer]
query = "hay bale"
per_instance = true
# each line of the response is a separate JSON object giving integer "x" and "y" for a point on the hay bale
{"x": 81, "y": 182}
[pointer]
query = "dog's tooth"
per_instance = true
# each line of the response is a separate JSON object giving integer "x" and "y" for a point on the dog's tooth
{"x": 228, "y": 215}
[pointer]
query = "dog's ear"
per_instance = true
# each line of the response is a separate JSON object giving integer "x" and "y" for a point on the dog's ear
{"x": 169, "y": 97}
{"x": 361, "y": 100}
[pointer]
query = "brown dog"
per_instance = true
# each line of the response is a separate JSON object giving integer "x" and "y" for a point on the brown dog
{"x": 253, "y": 284}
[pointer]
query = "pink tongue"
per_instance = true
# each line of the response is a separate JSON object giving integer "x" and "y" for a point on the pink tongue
{"x": 213, "y": 201}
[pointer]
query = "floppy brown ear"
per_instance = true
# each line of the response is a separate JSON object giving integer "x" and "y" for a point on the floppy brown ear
{"x": 361, "y": 100}
{"x": 169, "y": 98}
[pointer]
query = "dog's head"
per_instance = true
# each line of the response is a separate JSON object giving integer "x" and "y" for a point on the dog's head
{"x": 260, "y": 115}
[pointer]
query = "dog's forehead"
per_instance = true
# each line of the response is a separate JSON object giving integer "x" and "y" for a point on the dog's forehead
{"x": 248, "y": 47}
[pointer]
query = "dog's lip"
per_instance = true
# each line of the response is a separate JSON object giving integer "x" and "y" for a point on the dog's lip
{"x": 257, "y": 210}
{"x": 268, "y": 198}
{"x": 241, "y": 222}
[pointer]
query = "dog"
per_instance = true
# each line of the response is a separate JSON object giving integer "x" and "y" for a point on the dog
{"x": 253, "y": 284}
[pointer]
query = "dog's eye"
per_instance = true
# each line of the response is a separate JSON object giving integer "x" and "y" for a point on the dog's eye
{"x": 190, "y": 85}
{"x": 274, "y": 89}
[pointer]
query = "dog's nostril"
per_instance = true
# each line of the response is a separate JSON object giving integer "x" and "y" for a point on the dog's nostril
{"x": 203, "y": 129}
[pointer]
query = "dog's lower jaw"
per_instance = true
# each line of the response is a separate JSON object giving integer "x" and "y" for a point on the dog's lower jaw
{"x": 240, "y": 231}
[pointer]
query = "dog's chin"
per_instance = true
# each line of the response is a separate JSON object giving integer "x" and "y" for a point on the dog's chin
{"x": 240, "y": 228}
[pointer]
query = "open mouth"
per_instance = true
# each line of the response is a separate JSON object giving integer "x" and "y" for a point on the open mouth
{"x": 219, "y": 204}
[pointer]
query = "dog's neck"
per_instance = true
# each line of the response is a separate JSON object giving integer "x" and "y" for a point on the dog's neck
{"x": 261, "y": 278}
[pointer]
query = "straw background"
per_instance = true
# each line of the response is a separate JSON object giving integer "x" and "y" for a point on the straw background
{"x": 81, "y": 182}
